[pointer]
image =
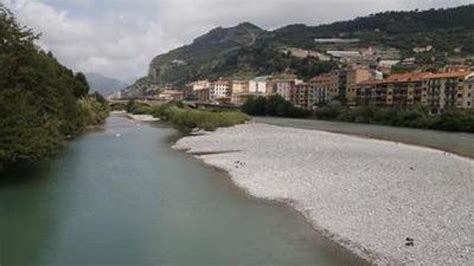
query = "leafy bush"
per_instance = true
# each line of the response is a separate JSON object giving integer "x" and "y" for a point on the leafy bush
{"x": 136, "y": 108}
{"x": 92, "y": 112}
{"x": 186, "y": 119}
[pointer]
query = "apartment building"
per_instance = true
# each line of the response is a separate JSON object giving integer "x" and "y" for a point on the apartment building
{"x": 201, "y": 85}
{"x": 396, "y": 90}
{"x": 240, "y": 86}
{"x": 171, "y": 95}
{"x": 447, "y": 90}
{"x": 300, "y": 96}
{"x": 285, "y": 88}
{"x": 328, "y": 82}
{"x": 220, "y": 89}
{"x": 308, "y": 96}
{"x": 437, "y": 91}
{"x": 353, "y": 76}
{"x": 202, "y": 95}
{"x": 261, "y": 85}
{"x": 240, "y": 92}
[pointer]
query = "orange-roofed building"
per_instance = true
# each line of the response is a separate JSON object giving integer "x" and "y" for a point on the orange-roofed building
{"x": 442, "y": 91}
{"x": 438, "y": 91}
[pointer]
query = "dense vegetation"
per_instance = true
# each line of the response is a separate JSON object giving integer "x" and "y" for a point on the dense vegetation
{"x": 273, "y": 106}
{"x": 416, "y": 117}
{"x": 187, "y": 119}
{"x": 41, "y": 101}
{"x": 444, "y": 29}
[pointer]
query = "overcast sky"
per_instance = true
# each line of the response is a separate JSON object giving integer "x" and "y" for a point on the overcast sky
{"x": 118, "y": 38}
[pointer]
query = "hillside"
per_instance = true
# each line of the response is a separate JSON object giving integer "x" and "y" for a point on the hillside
{"x": 104, "y": 85}
{"x": 445, "y": 29}
{"x": 206, "y": 52}
{"x": 246, "y": 50}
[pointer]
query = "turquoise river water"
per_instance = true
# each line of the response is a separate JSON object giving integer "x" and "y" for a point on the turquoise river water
{"x": 129, "y": 199}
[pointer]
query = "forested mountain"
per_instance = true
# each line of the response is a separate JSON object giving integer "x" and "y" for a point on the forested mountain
{"x": 246, "y": 50}
{"x": 104, "y": 85}
{"x": 445, "y": 29}
{"x": 41, "y": 101}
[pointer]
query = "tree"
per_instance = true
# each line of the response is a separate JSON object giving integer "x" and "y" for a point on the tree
{"x": 274, "y": 105}
{"x": 81, "y": 86}
{"x": 39, "y": 102}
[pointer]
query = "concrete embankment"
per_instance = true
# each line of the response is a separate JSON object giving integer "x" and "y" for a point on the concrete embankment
{"x": 389, "y": 203}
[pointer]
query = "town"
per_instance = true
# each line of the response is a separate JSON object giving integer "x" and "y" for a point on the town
{"x": 355, "y": 85}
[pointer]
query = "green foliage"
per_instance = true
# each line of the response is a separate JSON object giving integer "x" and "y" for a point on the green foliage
{"x": 81, "y": 86}
{"x": 274, "y": 105}
{"x": 25, "y": 135}
{"x": 265, "y": 59}
{"x": 444, "y": 29}
{"x": 186, "y": 119}
{"x": 92, "y": 112}
{"x": 39, "y": 102}
{"x": 416, "y": 117}
{"x": 137, "y": 108}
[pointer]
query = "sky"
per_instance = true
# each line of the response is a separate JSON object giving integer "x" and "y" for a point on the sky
{"x": 118, "y": 38}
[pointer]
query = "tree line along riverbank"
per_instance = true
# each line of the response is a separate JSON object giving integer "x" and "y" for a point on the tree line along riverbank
{"x": 455, "y": 120}
{"x": 42, "y": 103}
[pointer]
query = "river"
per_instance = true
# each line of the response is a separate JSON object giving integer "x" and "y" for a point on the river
{"x": 458, "y": 143}
{"x": 122, "y": 196}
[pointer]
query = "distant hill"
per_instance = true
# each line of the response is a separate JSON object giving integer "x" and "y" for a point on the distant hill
{"x": 247, "y": 50}
{"x": 104, "y": 85}
{"x": 203, "y": 55}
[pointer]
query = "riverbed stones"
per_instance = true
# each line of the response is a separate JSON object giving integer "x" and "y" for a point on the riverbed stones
{"x": 362, "y": 193}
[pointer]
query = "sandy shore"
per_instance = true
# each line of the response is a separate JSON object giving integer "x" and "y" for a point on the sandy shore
{"x": 368, "y": 195}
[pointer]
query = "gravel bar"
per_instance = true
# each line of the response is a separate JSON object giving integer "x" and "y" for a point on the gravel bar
{"x": 387, "y": 202}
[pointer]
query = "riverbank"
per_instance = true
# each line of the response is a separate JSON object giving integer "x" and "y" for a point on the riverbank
{"x": 368, "y": 195}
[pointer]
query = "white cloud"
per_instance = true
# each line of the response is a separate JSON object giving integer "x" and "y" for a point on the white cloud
{"x": 119, "y": 38}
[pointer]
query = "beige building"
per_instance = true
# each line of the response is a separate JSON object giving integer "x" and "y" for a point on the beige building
{"x": 219, "y": 89}
{"x": 328, "y": 82}
{"x": 171, "y": 95}
{"x": 442, "y": 91}
{"x": 354, "y": 76}
{"x": 201, "y": 85}
{"x": 261, "y": 85}
{"x": 240, "y": 86}
{"x": 240, "y": 92}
